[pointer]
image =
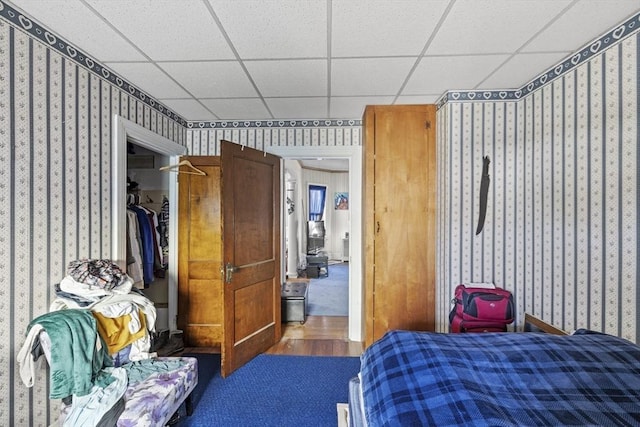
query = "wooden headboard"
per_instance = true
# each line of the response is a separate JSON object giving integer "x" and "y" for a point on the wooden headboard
{"x": 533, "y": 324}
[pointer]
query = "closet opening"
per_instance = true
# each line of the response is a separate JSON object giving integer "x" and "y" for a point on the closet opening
{"x": 148, "y": 227}
{"x": 137, "y": 154}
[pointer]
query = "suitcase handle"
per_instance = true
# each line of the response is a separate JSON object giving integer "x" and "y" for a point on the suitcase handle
{"x": 491, "y": 297}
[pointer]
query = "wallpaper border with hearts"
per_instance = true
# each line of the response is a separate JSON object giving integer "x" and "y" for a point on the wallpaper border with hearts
{"x": 595, "y": 48}
{"x": 561, "y": 228}
{"x": 56, "y": 133}
{"x": 68, "y": 50}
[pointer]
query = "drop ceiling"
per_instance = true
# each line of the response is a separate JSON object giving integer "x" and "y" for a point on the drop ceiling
{"x": 322, "y": 59}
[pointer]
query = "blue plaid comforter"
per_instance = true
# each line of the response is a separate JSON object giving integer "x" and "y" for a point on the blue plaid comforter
{"x": 501, "y": 379}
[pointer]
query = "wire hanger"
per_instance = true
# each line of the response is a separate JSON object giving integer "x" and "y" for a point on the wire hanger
{"x": 176, "y": 168}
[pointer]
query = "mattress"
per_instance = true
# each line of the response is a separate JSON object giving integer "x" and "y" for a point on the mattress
{"x": 356, "y": 410}
{"x": 500, "y": 379}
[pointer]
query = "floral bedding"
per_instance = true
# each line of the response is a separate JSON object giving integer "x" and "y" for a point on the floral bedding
{"x": 154, "y": 400}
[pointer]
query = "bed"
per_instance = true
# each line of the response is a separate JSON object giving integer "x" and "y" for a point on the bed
{"x": 498, "y": 379}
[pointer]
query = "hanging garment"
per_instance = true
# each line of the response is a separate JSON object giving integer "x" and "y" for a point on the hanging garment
{"x": 157, "y": 251}
{"x": 146, "y": 233}
{"x": 163, "y": 223}
{"x": 134, "y": 269}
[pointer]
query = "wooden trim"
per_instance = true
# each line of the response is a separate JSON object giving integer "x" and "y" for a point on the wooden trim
{"x": 533, "y": 324}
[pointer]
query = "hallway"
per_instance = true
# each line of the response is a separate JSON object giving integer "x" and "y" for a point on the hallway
{"x": 318, "y": 336}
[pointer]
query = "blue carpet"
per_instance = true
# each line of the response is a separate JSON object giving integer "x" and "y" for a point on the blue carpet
{"x": 329, "y": 296}
{"x": 271, "y": 390}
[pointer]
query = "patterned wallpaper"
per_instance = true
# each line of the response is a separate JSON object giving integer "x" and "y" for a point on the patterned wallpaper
{"x": 561, "y": 228}
{"x": 295, "y": 134}
{"x": 57, "y": 107}
{"x": 55, "y": 190}
{"x": 564, "y": 171}
{"x": 591, "y": 50}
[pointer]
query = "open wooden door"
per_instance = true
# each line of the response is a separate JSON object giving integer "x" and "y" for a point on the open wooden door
{"x": 229, "y": 253}
{"x": 251, "y": 241}
{"x": 200, "y": 259}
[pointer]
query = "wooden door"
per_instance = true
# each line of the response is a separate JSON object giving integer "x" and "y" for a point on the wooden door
{"x": 400, "y": 218}
{"x": 251, "y": 236}
{"x": 200, "y": 254}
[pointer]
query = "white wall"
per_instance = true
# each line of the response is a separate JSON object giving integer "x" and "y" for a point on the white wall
{"x": 336, "y": 221}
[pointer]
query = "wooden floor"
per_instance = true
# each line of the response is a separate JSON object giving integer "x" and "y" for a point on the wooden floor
{"x": 318, "y": 336}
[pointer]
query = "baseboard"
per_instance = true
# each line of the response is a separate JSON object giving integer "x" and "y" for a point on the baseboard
{"x": 343, "y": 414}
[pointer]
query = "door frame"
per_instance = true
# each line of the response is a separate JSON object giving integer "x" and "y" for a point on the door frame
{"x": 354, "y": 155}
{"x": 125, "y": 130}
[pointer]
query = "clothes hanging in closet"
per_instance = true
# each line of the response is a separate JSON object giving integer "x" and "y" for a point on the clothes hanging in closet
{"x": 134, "y": 250}
{"x": 163, "y": 220}
{"x": 144, "y": 256}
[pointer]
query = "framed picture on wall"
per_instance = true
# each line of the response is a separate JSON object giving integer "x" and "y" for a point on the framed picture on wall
{"x": 341, "y": 201}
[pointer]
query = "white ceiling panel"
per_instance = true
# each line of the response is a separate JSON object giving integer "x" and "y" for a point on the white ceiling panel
{"x": 237, "y": 108}
{"x": 150, "y": 78}
{"x": 88, "y": 32}
{"x": 435, "y": 75}
{"x": 353, "y": 107}
{"x": 300, "y": 77}
{"x": 167, "y": 30}
{"x": 298, "y": 108}
{"x": 521, "y": 69}
{"x": 275, "y": 29}
{"x": 496, "y": 26}
{"x": 594, "y": 17}
{"x": 418, "y": 99}
{"x": 369, "y": 76}
{"x": 322, "y": 59}
{"x": 366, "y": 28}
{"x": 211, "y": 79}
{"x": 189, "y": 108}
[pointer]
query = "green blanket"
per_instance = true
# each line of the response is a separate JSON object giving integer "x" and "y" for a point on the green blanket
{"x": 75, "y": 361}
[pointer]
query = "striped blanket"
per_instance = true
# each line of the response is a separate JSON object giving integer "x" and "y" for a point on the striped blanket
{"x": 500, "y": 379}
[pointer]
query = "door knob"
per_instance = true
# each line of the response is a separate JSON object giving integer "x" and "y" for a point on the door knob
{"x": 229, "y": 270}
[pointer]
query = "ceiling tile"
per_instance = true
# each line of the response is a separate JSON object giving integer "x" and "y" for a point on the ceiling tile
{"x": 189, "y": 109}
{"x": 369, "y": 76}
{"x": 520, "y": 69}
{"x": 262, "y": 29}
{"x": 88, "y": 32}
{"x": 492, "y": 26}
{"x": 352, "y": 107}
{"x": 151, "y": 26}
{"x": 435, "y": 75}
{"x": 283, "y": 44}
{"x": 298, "y": 108}
{"x": 238, "y": 108}
{"x": 216, "y": 79}
{"x": 596, "y": 17}
{"x": 301, "y": 77}
{"x": 366, "y": 28}
{"x": 418, "y": 99}
{"x": 148, "y": 77}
